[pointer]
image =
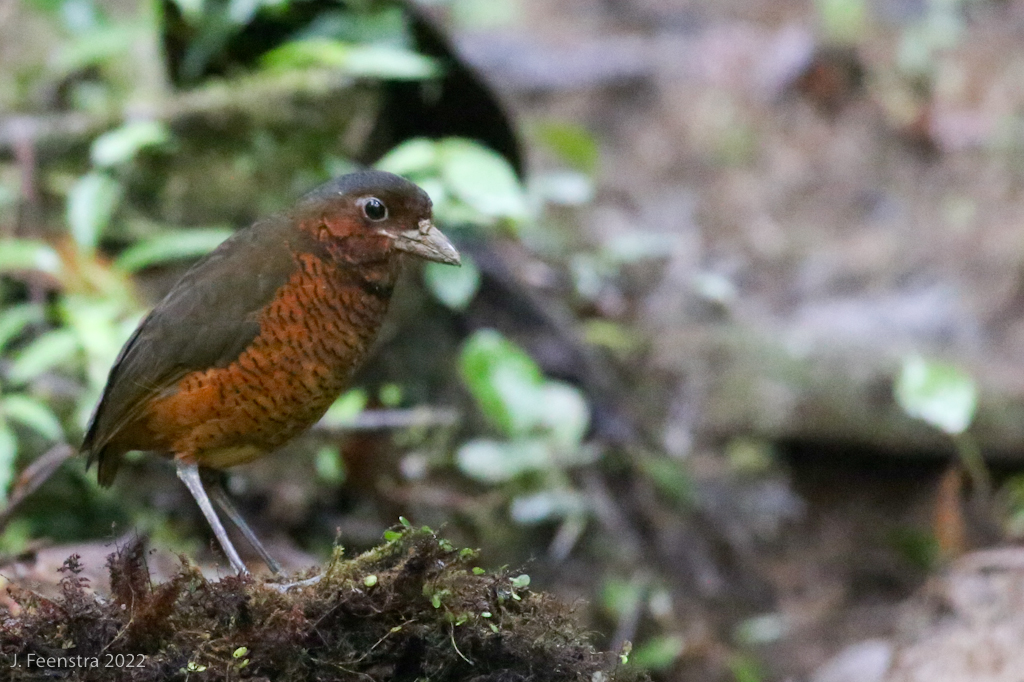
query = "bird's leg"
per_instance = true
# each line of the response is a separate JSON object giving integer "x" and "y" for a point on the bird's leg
{"x": 221, "y": 499}
{"x": 189, "y": 475}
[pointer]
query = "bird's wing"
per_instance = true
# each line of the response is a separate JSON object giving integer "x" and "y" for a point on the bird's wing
{"x": 206, "y": 320}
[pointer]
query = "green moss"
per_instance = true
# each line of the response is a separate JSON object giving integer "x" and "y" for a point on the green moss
{"x": 410, "y": 609}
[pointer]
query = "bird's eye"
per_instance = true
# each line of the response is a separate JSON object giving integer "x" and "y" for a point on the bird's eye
{"x": 374, "y": 209}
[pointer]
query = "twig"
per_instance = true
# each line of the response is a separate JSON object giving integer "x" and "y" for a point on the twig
{"x": 611, "y": 516}
{"x": 37, "y": 473}
{"x": 569, "y": 533}
{"x": 379, "y": 420}
{"x": 259, "y": 96}
{"x": 456, "y": 647}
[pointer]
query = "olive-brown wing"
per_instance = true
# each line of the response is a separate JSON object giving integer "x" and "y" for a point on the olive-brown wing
{"x": 206, "y": 320}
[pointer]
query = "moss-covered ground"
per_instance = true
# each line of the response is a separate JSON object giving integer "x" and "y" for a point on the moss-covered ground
{"x": 414, "y": 608}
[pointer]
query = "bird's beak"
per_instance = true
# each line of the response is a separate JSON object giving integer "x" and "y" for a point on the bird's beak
{"x": 428, "y": 243}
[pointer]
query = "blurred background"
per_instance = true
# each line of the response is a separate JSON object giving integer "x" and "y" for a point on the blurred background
{"x": 734, "y": 360}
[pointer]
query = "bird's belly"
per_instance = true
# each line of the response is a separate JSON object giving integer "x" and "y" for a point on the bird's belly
{"x": 222, "y": 458}
{"x": 312, "y": 336}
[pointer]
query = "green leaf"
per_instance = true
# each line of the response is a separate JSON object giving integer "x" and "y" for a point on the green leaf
{"x": 745, "y": 668}
{"x": 1013, "y": 493}
{"x": 940, "y": 394}
{"x": 750, "y": 455}
{"x": 346, "y": 408}
{"x": 915, "y": 546}
{"x": 15, "y": 538}
{"x": 13, "y": 321}
{"x": 481, "y": 178}
{"x": 370, "y": 580}
{"x": 29, "y": 254}
{"x": 521, "y": 581}
{"x": 435, "y": 189}
{"x": 240, "y": 652}
{"x": 614, "y": 336}
{"x": 485, "y": 15}
{"x": 389, "y": 62}
{"x": 242, "y": 12}
{"x": 98, "y": 325}
{"x": 94, "y": 47}
{"x": 391, "y": 394}
{"x": 367, "y": 61}
{"x": 658, "y": 653}
{"x": 503, "y": 379}
{"x": 511, "y": 391}
{"x": 564, "y": 188}
{"x": 454, "y": 287}
{"x": 620, "y": 597}
{"x": 330, "y": 467}
{"x": 53, "y": 348}
{"x": 412, "y": 157}
{"x": 843, "y": 20}
{"x": 371, "y": 23}
{"x": 123, "y": 144}
{"x": 546, "y": 505}
{"x": 763, "y": 629}
{"x": 671, "y": 479}
{"x": 576, "y": 145}
{"x": 192, "y": 10}
{"x": 33, "y": 414}
{"x": 91, "y": 206}
{"x": 564, "y": 413}
{"x": 8, "y": 453}
{"x": 171, "y": 245}
{"x": 490, "y": 461}
{"x": 716, "y": 288}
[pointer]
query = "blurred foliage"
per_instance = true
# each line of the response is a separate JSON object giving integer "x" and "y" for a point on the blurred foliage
{"x": 658, "y": 653}
{"x": 542, "y": 424}
{"x": 468, "y": 183}
{"x": 164, "y": 178}
{"x": 843, "y": 21}
{"x": 940, "y": 394}
{"x": 945, "y": 397}
{"x": 939, "y": 28}
{"x": 367, "y": 61}
{"x": 56, "y": 350}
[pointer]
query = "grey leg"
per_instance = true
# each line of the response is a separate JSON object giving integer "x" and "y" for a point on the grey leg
{"x": 189, "y": 475}
{"x": 221, "y": 499}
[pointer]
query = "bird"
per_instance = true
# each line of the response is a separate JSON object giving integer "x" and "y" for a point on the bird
{"x": 260, "y": 336}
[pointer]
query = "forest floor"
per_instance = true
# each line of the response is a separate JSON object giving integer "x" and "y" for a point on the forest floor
{"x": 858, "y": 210}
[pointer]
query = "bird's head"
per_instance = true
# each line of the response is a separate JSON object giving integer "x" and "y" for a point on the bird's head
{"x": 367, "y": 216}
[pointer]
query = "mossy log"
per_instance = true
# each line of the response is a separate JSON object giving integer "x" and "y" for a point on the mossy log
{"x": 750, "y": 382}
